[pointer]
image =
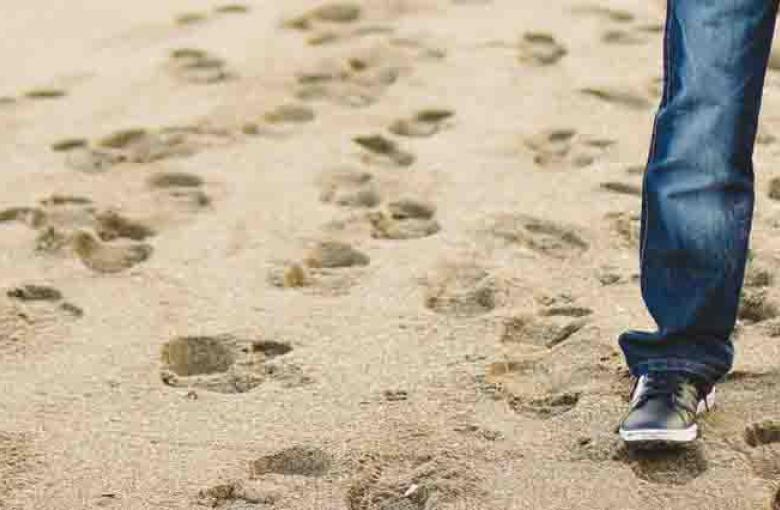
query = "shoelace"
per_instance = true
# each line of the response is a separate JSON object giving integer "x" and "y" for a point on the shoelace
{"x": 668, "y": 387}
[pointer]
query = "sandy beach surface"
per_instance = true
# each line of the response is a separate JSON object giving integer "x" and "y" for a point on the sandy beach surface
{"x": 347, "y": 255}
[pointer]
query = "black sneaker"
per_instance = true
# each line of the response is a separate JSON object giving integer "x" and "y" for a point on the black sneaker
{"x": 664, "y": 407}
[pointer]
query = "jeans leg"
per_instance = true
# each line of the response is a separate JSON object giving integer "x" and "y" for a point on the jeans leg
{"x": 697, "y": 194}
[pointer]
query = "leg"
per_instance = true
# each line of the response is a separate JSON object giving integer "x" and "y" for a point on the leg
{"x": 697, "y": 196}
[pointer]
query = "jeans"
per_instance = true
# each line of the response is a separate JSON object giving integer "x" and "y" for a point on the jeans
{"x": 697, "y": 190}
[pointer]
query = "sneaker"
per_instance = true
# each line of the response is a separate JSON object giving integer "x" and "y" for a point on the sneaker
{"x": 664, "y": 407}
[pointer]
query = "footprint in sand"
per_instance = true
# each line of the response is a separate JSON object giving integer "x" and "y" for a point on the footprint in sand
{"x": 551, "y": 382}
{"x": 606, "y": 13}
{"x": 348, "y": 187}
{"x": 327, "y": 13}
{"x": 108, "y": 258}
{"x": 331, "y": 34}
{"x": 758, "y": 274}
{"x": 406, "y": 218}
{"x": 57, "y": 217}
{"x": 617, "y": 96}
{"x": 112, "y": 225}
{"x": 297, "y": 460}
{"x": 357, "y": 78}
{"x": 564, "y": 147}
{"x": 30, "y": 216}
{"x": 234, "y": 494}
{"x": 36, "y": 294}
{"x": 290, "y": 114}
{"x": 670, "y": 466}
{"x": 540, "y": 48}
{"x": 281, "y": 120}
{"x": 182, "y": 188}
{"x": 196, "y": 18}
{"x": 227, "y": 364}
{"x": 622, "y": 37}
{"x": 329, "y": 267}
{"x": 232, "y": 9}
{"x": 548, "y": 330}
{"x": 423, "y": 124}
{"x": 384, "y": 149}
{"x": 773, "y": 191}
{"x": 621, "y": 188}
{"x": 418, "y": 479}
{"x": 190, "y": 18}
{"x": 756, "y": 306}
{"x": 762, "y": 433}
{"x": 335, "y": 254}
{"x": 191, "y": 65}
{"x": 92, "y": 160}
{"x": 68, "y": 144}
{"x": 139, "y": 145}
{"x": 461, "y": 289}
{"x": 627, "y": 227}
{"x": 536, "y": 235}
{"x": 44, "y": 94}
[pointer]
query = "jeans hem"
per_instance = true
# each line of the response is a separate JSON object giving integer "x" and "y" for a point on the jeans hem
{"x": 710, "y": 373}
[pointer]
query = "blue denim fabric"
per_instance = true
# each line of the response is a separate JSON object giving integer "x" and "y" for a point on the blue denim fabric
{"x": 697, "y": 192}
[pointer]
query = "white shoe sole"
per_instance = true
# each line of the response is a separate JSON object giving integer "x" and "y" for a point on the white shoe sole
{"x": 669, "y": 436}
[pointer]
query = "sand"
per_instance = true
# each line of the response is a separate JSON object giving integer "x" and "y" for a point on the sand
{"x": 346, "y": 255}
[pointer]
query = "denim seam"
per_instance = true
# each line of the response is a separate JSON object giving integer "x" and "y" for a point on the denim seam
{"x": 654, "y": 139}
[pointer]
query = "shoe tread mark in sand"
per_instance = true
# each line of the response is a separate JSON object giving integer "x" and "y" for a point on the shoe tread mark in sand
{"x": 24, "y": 322}
{"x": 564, "y": 148}
{"x": 339, "y": 12}
{"x": 773, "y": 190}
{"x": 404, "y": 218}
{"x": 538, "y": 235}
{"x": 383, "y": 147}
{"x": 423, "y": 124}
{"x": 108, "y": 257}
{"x": 181, "y": 187}
{"x": 59, "y": 216}
{"x": 413, "y": 482}
{"x": 756, "y": 305}
{"x": 552, "y": 382}
{"x": 540, "y": 48}
{"x": 289, "y": 113}
{"x": 558, "y": 319}
{"x": 621, "y": 188}
{"x": 296, "y": 460}
{"x": 195, "y": 66}
{"x": 233, "y": 494}
{"x": 226, "y": 364}
{"x": 461, "y": 289}
{"x": 356, "y": 79}
{"x": 626, "y": 225}
{"x": 622, "y": 37}
{"x": 329, "y": 267}
{"x": 540, "y": 331}
{"x": 606, "y": 13}
{"x": 45, "y": 93}
{"x": 140, "y": 145}
{"x": 348, "y": 187}
{"x": 618, "y": 96}
{"x": 36, "y": 295}
{"x": 670, "y": 465}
